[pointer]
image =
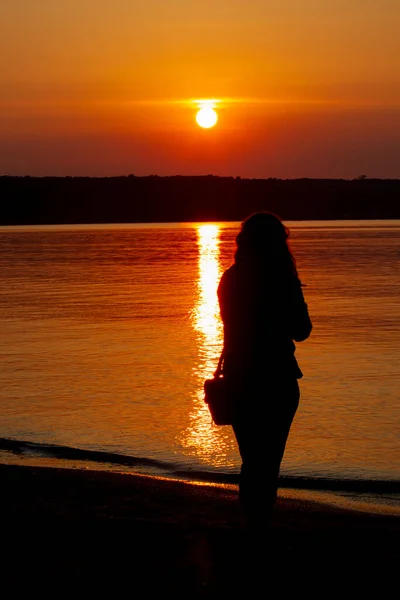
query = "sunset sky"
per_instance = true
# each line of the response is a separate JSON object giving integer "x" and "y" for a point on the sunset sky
{"x": 301, "y": 89}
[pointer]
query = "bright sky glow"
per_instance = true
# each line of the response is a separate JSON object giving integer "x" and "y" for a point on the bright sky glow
{"x": 305, "y": 89}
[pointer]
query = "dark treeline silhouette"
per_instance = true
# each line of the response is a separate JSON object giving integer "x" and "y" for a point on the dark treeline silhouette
{"x": 131, "y": 199}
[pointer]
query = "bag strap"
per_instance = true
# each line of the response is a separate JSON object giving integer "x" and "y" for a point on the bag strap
{"x": 220, "y": 361}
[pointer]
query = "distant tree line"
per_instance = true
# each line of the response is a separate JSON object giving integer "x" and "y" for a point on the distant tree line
{"x": 131, "y": 199}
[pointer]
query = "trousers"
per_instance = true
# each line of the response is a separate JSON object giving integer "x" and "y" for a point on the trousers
{"x": 261, "y": 427}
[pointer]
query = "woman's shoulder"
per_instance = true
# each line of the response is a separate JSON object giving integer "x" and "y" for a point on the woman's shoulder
{"x": 228, "y": 277}
{"x": 230, "y": 271}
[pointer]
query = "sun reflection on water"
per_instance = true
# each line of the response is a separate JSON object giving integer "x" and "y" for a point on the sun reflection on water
{"x": 200, "y": 437}
{"x": 206, "y": 313}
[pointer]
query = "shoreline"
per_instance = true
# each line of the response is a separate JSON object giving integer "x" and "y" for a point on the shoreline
{"x": 375, "y": 497}
{"x": 99, "y": 528}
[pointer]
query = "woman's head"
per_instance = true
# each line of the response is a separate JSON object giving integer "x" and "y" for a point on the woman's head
{"x": 264, "y": 237}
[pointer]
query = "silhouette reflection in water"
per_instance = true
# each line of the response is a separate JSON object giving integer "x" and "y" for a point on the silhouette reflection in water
{"x": 263, "y": 312}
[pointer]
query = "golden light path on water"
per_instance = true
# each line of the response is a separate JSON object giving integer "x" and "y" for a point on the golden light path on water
{"x": 207, "y": 442}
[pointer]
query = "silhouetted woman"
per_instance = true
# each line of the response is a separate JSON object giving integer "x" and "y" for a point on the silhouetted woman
{"x": 263, "y": 311}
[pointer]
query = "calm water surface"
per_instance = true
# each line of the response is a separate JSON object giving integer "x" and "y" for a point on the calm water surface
{"x": 108, "y": 332}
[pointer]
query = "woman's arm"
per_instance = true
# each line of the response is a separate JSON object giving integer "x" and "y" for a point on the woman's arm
{"x": 301, "y": 325}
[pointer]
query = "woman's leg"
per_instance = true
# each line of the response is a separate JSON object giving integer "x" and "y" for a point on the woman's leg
{"x": 261, "y": 433}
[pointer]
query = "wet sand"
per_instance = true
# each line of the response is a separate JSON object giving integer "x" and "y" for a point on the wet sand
{"x": 88, "y": 532}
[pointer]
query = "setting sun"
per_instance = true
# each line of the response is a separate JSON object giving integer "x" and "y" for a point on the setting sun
{"x": 206, "y": 117}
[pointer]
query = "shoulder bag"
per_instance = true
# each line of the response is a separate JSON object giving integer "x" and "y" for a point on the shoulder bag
{"x": 218, "y": 397}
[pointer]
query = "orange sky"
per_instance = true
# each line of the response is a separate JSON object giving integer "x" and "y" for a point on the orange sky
{"x": 307, "y": 89}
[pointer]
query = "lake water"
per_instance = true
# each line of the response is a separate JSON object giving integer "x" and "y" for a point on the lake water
{"x": 108, "y": 332}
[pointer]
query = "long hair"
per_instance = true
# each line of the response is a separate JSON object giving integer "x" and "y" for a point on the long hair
{"x": 263, "y": 238}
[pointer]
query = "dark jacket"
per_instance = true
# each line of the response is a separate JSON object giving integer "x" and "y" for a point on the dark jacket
{"x": 262, "y": 312}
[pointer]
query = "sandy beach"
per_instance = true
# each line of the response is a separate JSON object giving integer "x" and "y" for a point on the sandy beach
{"x": 100, "y": 531}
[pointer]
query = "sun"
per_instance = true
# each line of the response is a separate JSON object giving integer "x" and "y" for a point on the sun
{"x": 206, "y": 117}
